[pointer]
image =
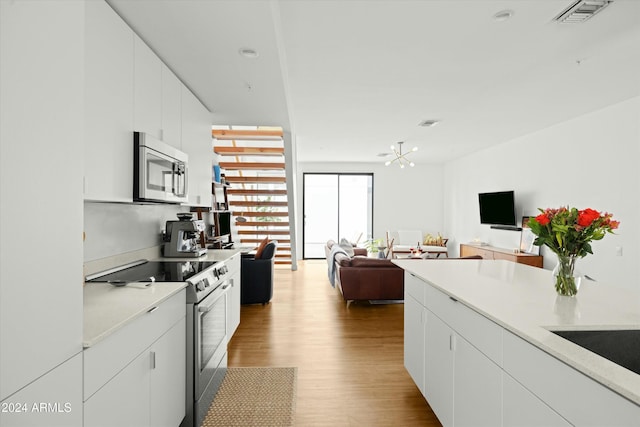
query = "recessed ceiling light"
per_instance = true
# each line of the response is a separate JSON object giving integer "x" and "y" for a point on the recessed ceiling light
{"x": 383, "y": 154}
{"x": 503, "y": 15}
{"x": 248, "y": 52}
{"x": 428, "y": 123}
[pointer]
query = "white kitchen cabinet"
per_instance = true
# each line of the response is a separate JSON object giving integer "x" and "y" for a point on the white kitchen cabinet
{"x": 123, "y": 401}
{"x": 41, "y": 168}
{"x": 171, "y": 108}
{"x": 147, "y": 90}
{"x": 198, "y": 144}
{"x": 168, "y": 378}
{"x": 579, "y": 399}
{"x": 233, "y": 300}
{"x": 137, "y": 375}
{"x": 53, "y": 400}
{"x": 438, "y": 368}
{"x": 108, "y": 141}
{"x": 462, "y": 385}
{"x": 521, "y": 408}
{"x": 477, "y": 387}
{"x": 414, "y": 336}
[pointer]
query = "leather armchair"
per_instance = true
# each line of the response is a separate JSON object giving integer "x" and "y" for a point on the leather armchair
{"x": 256, "y": 276}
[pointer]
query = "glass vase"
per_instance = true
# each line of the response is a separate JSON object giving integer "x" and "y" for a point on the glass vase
{"x": 566, "y": 281}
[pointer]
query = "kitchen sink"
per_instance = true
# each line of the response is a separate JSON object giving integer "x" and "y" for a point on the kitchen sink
{"x": 619, "y": 346}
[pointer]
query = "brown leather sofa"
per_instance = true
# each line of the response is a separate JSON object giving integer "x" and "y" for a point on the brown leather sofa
{"x": 363, "y": 278}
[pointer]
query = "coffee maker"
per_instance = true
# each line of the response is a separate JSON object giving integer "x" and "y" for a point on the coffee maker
{"x": 181, "y": 237}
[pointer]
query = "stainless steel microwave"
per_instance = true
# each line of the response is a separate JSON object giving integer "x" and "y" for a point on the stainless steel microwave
{"x": 160, "y": 171}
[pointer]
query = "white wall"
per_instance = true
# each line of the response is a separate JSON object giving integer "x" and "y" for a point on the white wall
{"x": 115, "y": 228}
{"x": 406, "y": 199}
{"x": 590, "y": 161}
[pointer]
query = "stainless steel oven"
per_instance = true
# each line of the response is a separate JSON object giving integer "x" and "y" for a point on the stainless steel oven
{"x": 207, "y": 301}
{"x": 210, "y": 336}
{"x": 160, "y": 171}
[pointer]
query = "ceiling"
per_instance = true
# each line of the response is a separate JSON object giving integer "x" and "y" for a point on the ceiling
{"x": 349, "y": 78}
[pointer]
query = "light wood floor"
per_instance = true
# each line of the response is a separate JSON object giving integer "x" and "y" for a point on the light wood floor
{"x": 349, "y": 360}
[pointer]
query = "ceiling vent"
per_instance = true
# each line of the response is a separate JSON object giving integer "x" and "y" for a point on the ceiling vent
{"x": 581, "y": 10}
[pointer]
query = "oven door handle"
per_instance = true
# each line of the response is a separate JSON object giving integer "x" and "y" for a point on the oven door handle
{"x": 204, "y": 307}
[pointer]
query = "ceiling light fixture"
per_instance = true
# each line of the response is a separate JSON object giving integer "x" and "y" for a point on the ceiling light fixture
{"x": 401, "y": 158}
{"x": 503, "y": 15}
{"x": 428, "y": 123}
{"x": 248, "y": 52}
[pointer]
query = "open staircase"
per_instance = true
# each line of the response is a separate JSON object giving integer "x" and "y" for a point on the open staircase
{"x": 253, "y": 164}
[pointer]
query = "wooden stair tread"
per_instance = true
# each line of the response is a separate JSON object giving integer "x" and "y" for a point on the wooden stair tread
{"x": 243, "y": 203}
{"x": 255, "y": 192}
{"x": 249, "y": 151}
{"x": 247, "y": 135}
{"x": 256, "y": 179}
{"x": 252, "y": 165}
{"x": 262, "y": 232}
{"x": 254, "y": 214}
{"x": 263, "y": 224}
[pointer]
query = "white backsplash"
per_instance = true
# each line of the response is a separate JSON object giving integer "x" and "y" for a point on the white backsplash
{"x": 115, "y": 228}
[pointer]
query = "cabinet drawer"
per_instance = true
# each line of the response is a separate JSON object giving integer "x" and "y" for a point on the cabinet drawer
{"x": 578, "y": 398}
{"x": 415, "y": 287}
{"x": 481, "y": 332}
{"x": 108, "y": 357}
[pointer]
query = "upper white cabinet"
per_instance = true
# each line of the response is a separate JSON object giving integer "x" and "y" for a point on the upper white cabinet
{"x": 171, "y": 108}
{"x": 147, "y": 90}
{"x": 198, "y": 144}
{"x": 41, "y": 157}
{"x": 108, "y": 141}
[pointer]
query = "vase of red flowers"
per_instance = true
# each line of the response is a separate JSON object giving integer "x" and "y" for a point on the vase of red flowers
{"x": 568, "y": 232}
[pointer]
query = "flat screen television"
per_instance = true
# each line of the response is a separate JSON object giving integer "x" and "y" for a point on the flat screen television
{"x": 497, "y": 208}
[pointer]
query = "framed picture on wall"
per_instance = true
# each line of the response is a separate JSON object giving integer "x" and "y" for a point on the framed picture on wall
{"x": 527, "y": 238}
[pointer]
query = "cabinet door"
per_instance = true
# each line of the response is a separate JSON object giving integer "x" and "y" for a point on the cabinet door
{"x": 41, "y": 162}
{"x": 168, "y": 377}
{"x": 52, "y": 400}
{"x": 124, "y": 400}
{"x": 147, "y": 90}
{"x": 521, "y": 408}
{"x": 477, "y": 387}
{"x": 198, "y": 144}
{"x": 171, "y": 108}
{"x": 438, "y": 369}
{"x": 233, "y": 309}
{"x": 108, "y": 127}
{"x": 414, "y": 336}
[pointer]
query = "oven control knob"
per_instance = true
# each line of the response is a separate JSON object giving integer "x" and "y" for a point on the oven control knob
{"x": 215, "y": 273}
{"x": 206, "y": 283}
{"x": 200, "y": 286}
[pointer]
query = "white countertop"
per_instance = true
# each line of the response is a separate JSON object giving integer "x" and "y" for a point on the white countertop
{"x": 523, "y": 300}
{"x": 108, "y": 308}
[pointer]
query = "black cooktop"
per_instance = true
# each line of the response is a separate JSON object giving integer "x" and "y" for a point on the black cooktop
{"x": 160, "y": 271}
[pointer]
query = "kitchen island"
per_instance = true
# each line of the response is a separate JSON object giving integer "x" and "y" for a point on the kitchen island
{"x": 478, "y": 344}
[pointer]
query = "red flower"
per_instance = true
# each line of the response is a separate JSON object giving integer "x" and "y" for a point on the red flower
{"x": 542, "y": 219}
{"x": 587, "y": 216}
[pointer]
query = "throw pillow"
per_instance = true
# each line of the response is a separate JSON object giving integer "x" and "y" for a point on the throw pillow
{"x": 261, "y": 247}
{"x": 344, "y": 244}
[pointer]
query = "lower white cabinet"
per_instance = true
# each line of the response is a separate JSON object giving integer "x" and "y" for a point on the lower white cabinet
{"x": 438, "y": 368}
{"x": 168, "y": 378}
{"x": 53, "y": 400}
{"x": 137, "y": 376}
{"x": 233, "y": 297}
{"x": 414, "y": 346}
{"x": 521, "y": 408}
{"x": 477, "y": 387}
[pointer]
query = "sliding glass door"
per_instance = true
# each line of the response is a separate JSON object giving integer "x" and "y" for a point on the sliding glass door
{"x": 335, "y": 206}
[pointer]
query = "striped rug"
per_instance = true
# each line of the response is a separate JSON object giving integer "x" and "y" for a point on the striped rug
{"x": 261, "y": 397}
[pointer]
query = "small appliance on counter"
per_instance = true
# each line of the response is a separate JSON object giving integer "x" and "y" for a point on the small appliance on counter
{"x": 181, "y": 237}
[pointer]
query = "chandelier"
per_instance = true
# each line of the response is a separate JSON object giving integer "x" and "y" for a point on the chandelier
{"x": 401, "y": 158}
